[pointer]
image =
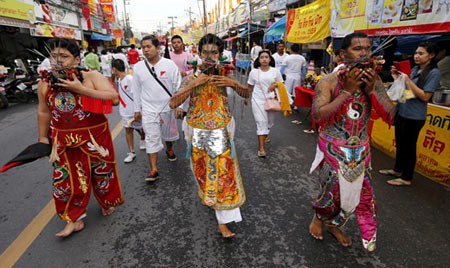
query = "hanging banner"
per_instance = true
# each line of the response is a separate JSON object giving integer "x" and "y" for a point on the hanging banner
{"x": 309, "y": 23}
{"x": 17, "y": 10}
{"x": 47, "y": 30}
{"x": 433, "y": 145}
{"x": 390, "y": 17}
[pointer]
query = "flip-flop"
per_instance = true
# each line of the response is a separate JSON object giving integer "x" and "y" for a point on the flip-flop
{"x": 309, "y": 131}
{"x": 388, "y": 172}
{"x": 399, "y": 182}
{"x": 261, "y": 154}
{"x": 296, "y": 122}
{"x": 268, "y": 140}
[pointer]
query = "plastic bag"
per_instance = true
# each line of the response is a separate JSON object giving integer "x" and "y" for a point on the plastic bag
{"x": 395, "y": 92}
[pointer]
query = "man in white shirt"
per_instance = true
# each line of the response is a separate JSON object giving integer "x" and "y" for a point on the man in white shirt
{"x": 295, "y": 64}
{"x": 126, "y": 108}
{"x": 279, "y": 57}
{"x": 254, "y": 52}
{"x": 120, "y": 55}
{"x": 227, "y": 53}
{"x": 155, "y": 79}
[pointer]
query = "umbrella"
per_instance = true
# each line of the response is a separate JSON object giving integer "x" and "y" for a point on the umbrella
{"x": 31, "y": 153}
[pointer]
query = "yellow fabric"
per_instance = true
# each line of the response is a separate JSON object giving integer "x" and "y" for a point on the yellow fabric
{"x": 284, "y": 100}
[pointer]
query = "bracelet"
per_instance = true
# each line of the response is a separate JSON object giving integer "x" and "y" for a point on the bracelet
{"x": 349, "y": 94}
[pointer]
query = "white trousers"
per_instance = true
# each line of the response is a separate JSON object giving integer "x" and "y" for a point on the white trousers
{"x": 227, "y": 216}
{"x": 292, "y": 82}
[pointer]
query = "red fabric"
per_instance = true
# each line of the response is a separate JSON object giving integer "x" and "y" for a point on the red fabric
{"x": 304, "y": 98}
{"x": 133, "y": 56}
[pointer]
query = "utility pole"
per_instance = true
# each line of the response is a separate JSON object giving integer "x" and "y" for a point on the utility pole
{"x": 205, "y": 19}
{"x": 172, "y": 18}
{"x": 189, "y": 11}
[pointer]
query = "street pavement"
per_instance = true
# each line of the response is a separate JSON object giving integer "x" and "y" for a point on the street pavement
{"x": 163, "y": 224}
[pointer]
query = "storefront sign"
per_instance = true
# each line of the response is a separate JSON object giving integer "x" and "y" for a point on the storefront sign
{"x": 51, "y": 14}
{"x": 309, "y": 23}
{"x": 433, "y": 145}
{"x": 390, "y": 17}
{"x": 276, "y": 5}
{"x": 46, "y": 30}
{"x": 108, "y": 10}
{"x": 17, "y": 10}
{"x": 15, "y": 22}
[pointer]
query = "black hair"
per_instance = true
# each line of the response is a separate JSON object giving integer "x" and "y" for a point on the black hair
{"x": 118, "y": 64}
{"x": 176, "y": 37}
{"x": 133, "y": 46}
{"x": 432, "y": 49}
{"x": 295, "y": 48}
{"x": 68, "y": 44}
{"x": 152, "y": 38}
{"x": 444, "y": 45}
{"x": 280, "y": 43}
{"x": 210, "y": 39}
{"x": 347, "y": 41}
{"x": 103, "y": 52}
{"x": 118, "y": 50}
{"x": 257, "y": 64}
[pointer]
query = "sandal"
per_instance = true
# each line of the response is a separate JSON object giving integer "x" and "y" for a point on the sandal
{"x": 296, "y": 122}
{"x": 389, "y": 172}
{"x": 399, "y": 182}
{"x": 261, "y": 154}
{"x": 268, "y": 140}
{"x": 309, "y": 131}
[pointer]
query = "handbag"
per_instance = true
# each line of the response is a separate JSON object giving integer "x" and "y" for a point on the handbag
{"x": 271, "y": 104}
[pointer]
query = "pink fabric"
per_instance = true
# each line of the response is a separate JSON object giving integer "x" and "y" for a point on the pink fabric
{"x": 181, "y": 61}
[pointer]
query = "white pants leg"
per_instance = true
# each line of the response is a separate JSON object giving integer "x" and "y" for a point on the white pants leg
{"x": 227, "y": 216}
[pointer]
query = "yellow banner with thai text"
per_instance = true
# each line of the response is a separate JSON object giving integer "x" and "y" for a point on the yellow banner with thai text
{"x": 17, "y": 9}
{"x": 433, "y": 145}
{"x": 309, "y": 23}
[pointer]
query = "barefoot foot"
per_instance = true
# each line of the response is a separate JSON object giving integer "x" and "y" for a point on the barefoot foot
{"x": 225, "y": 232}
{"x": 340, "y": 236}
{"x": 109, "y": 211}
{"x": 70, "y": 228}
{"x": 315, "y": 228}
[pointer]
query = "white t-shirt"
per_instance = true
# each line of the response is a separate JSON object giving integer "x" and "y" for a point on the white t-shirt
{"x": 228, "y": 54}
{"x": 126, "y": 94}
{"x": 122, "y": 57}
{"x": 294, "y": 64}
{"x": 279, "y": 61}
{"x": 254, "y": 52}
{"x": 105, "y": 63}
{"x": 150, "y": 96}
{"x": 261, "y": 81}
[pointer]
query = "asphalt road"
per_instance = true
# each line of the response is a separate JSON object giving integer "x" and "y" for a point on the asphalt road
{"x": 164, "y": 224}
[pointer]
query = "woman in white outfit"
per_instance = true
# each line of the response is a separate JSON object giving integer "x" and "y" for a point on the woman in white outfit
{"x": 262, "y": 80}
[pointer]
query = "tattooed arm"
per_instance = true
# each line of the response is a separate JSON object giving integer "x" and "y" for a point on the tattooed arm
{"x": 187, "y": 87}
{"x": 381, "y": 102}
{"x": 224, "y": 81}
{"x": 324, "y": 104}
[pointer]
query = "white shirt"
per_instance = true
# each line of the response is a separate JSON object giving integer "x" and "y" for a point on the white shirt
{"x": 122, "y": 57}
{"x": 279, "y": 60}
{"x": 126, "y": 94}
{"x": 261, "y": 81}
{"x": 105, "y": 63}
{"x": 150, "y": 96}
{"x": 229, "y": 56}
{"x": 294, "y": 64}
{"x": 254, "y": 52}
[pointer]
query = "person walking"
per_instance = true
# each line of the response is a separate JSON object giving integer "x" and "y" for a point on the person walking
{"x": 126, "y": 109}
{"x": 209, "y": 133}
{"x": 181, "y": 57}
{"x": 294, "y": 67}
{"x": 342, "y": 107}
{"x": 155, "y": 79}
{"x": 254, "y": 52}
{"x": 279, "y": 57}
{"x": 105, "y": 62}
{"x": 412, "y": 113}
{"x": 133, "y": 55}
{"x": 83, "y": 154}
{"x": 262, "y": 81}
{"x": 91, "y": 60}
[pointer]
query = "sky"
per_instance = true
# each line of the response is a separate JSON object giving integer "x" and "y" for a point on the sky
{"x": 149, "y": 15}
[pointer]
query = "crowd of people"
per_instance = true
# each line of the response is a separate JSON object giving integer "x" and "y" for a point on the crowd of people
{"x": 191, "y": 85}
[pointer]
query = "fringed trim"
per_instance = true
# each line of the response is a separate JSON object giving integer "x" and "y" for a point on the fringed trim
{"x": 381, "y": 110}
{"x": 334, "y": 117}
{"x": 54, "y": 154}
{"x": 188, "y": 150}
{"x": 233, "y": 149}
{"x": 99, "y": 149}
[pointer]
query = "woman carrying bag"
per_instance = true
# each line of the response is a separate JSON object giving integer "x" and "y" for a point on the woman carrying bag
{"x": 411, "y": 115}
{"x": 263, "y": 82}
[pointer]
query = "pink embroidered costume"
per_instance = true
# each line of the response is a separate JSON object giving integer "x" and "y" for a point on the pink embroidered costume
{"x": 343, "y": 157}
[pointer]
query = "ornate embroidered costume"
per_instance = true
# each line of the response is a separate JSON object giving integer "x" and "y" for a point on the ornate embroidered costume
{"x": 82, "y": 156}
{"x": 209, "y": 131}
{"x": 344, "y": 161}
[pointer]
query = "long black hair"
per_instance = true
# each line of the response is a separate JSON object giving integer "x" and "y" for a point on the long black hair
{"x": 257, "y": 64}
{"x": 431, "y": 48}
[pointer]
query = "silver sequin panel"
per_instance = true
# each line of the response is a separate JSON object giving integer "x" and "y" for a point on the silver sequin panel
{"x": 214, "y": 142}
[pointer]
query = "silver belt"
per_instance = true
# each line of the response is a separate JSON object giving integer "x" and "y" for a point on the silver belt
{"x": 214, "y": 142}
